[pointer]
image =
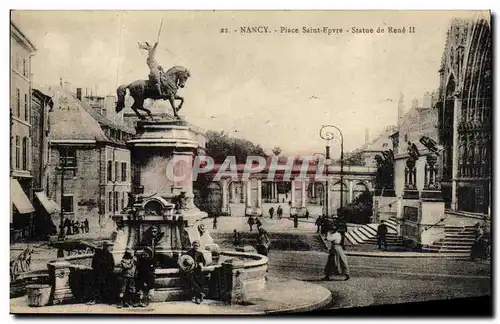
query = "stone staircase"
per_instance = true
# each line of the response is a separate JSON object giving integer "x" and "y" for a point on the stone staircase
{"x": 457, "y": 239}
{"x": 367, "y": 234}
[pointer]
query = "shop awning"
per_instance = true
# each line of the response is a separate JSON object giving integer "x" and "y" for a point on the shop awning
{"x": 19, "y": 198}
{"x": 47, "y": 203}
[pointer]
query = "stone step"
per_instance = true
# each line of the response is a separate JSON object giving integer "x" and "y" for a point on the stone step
{"x": 455, "y": 247}
{"x": 170, "y": 294}
{"x": 362, "y": 234}
{"x": 350, "y": 238}
{"x": 355, "y": 235}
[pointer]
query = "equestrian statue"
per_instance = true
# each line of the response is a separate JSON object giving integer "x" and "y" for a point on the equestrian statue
{"x": 160, "y": 85}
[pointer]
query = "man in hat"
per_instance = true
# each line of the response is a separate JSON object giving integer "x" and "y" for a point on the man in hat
{"x": 103, "y": 264}
{"x": 194, "y": 273}
{"x": 127, "y": 278}
{"x": 145, "y": 276}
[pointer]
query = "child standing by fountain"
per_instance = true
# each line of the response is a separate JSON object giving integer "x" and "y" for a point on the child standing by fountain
{"x": 127, "y": 278}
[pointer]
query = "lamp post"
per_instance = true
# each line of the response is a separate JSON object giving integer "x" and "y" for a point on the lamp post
{"x": 328, "y": 135}
{"x": 62, "y": 168}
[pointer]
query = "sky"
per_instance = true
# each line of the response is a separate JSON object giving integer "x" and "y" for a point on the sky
{"x": 273, "y": 89}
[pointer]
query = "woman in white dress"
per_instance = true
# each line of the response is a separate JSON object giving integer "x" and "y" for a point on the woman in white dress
{"x": 337, "y": 260}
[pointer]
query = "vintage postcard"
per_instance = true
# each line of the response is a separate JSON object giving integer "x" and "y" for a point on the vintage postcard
{"x": 250, "y": 162}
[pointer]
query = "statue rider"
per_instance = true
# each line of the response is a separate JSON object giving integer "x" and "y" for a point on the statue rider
{"x": 154, "y": 68}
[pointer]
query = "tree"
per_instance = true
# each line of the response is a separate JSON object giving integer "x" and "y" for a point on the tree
{"x": 277, "y": 150}
{"x": 220, "y": 145}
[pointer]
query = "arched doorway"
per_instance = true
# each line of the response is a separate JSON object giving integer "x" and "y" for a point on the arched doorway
{"x": 315, "y": 193}
{"x": 236, "y": 192}
{"x": 358, "y": 189}
{"x": 335, "y": 196}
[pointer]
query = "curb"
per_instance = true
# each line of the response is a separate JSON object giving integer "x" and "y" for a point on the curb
{"x": 401, "y": 254}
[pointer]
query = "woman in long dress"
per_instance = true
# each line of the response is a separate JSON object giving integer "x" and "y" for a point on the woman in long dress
{"x": 337, "y": 260}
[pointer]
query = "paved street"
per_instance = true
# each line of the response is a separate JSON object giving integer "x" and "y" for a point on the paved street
{"x": 387, "y": 280}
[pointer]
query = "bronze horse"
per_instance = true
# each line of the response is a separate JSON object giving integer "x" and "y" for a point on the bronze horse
{"x": 140, "y": 90}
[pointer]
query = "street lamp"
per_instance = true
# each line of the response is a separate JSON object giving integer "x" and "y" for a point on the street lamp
{"x": 328, "y": 135}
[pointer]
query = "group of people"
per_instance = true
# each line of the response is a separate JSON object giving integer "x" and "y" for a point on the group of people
{"x": 482, "y": 241}
{"x": 135, "y": 280}
{"x": 279, "y": 212}
{"x": 75, "y": 227}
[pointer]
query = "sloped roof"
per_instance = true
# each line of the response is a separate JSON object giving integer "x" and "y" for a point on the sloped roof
{"x": 69, "y": 120}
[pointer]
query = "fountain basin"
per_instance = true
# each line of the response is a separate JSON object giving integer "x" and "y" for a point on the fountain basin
{"x": 232, "y": 279}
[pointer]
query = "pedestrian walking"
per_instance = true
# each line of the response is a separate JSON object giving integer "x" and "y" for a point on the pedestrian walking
{"x": 103, "y": 264}
{"x": 263, "y": 242}
{"x": 342, "y": 229}
{"x": 271, "y": 212}
{"x": 382, "y": 235}
{"x": 279, "y": 212}
{"x": 307, "y": 213}
{"x": 145, "y": 276}
{"x": 86, "y": 225}
{"x": 295, "y": 221}
{"x": 337, "y": 260}
{"x": 250, "y": 222}
{"x": 236, "y": 238}
{"x": 214, "y": 226}
{"x": 127, "y": 278}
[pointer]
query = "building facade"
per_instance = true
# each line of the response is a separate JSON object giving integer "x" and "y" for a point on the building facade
{"x": 20, "y": 130}
{"x": 465, "y": 116}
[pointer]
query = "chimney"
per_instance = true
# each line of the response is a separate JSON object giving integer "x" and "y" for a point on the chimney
{"x": 414, "y": 103}
{"x": 367, "y": 135}
{"x": 401, "y": 110}
{"x": 79, "y": 94}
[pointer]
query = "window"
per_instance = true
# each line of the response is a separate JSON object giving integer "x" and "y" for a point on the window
{"x": 110, "y": 171}
{"x": 104, "y": 112}
{"x": 112, "y": 132}
{"x": 110, "y": 201}
{"x": 117, "y": 170}
{"x": 25, "y": 68}
{"x": 124, "y": 171}
{"x": 116, "y": 201}
{"x": 18, "y": 102}
{"x": 67, "y": 204}
{"x": 18, "y": 152}
{"x": 26, "y": 110}
{"x": 67, "y": 157}
{"x": 25, "y": 153}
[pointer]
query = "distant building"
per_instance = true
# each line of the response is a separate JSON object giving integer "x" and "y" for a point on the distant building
{"x": 90, "y": 150}
{"x": 20, "y": 132}
{"x": 365, "y": 155}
